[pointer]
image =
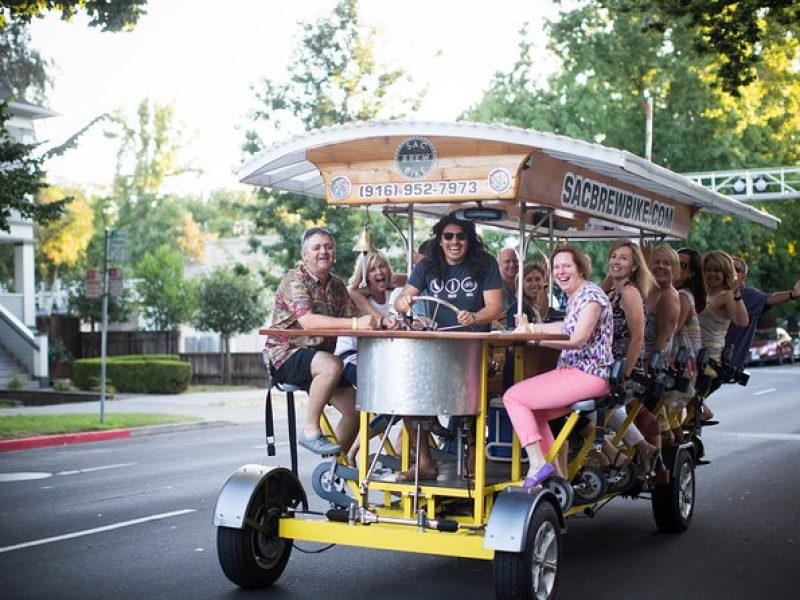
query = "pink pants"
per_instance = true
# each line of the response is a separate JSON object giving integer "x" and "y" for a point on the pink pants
{"x": 535, "y": 401}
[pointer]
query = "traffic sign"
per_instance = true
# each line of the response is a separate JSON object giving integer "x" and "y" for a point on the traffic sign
{"x": 93, "y": 283}
{"x": 115, "y": 282}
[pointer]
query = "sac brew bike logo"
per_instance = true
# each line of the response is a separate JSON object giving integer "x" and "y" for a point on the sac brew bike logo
{"x": 604, "y": 200}
{"x": 415, "y": 157}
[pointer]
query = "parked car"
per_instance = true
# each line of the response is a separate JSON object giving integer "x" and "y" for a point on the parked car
{"x": 771, "y": 345}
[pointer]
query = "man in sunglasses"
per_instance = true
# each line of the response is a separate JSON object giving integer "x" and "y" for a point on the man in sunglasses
{"x": 757, "y": 303}
{"x": 458, "y": 269}
{"x": 312, "y": 297}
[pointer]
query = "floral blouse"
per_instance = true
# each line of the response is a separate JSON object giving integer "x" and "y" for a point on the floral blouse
{"x": 595, "y": 356}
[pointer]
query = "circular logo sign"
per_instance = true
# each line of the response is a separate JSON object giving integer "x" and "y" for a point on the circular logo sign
{"x": 415, "y": 157}
{"x": 499, "y": 180}
{"x": 340, "y": 187}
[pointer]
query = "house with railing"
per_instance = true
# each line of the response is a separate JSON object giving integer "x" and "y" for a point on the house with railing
{"x": 23, "y": 351}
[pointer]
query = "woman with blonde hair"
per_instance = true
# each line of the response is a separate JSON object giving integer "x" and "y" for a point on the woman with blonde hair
{"x": 723, "y": 306}
{"x": 632, "y": 282}
{"x": 370, "y": 287}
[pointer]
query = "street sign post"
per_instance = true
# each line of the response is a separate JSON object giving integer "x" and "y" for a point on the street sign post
{"x": 93, "y": 284}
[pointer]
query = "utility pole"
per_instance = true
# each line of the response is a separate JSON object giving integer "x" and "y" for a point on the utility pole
{"x": 104, "y": 330}
{"x": 648, "y": 130}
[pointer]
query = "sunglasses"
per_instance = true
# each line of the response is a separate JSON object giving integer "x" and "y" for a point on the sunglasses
{"x": 449, "y": 235}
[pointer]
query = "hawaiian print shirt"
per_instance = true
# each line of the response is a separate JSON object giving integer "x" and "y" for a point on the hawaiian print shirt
{"x": 298, "y": 294}
{"x": 595, "y": 356}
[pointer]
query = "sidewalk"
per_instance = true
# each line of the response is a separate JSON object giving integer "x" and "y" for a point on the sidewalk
{"x": 212, "y": 408}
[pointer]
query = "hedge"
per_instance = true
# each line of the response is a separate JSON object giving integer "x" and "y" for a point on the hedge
{"x": 145, "y": 373}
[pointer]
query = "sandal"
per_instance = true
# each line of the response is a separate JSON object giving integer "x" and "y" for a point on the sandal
{"x": 408, "y": 475}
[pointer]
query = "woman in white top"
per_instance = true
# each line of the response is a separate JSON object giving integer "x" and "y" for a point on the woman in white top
{"x": 723, "y": 306}
{"x": 375, "y": 299}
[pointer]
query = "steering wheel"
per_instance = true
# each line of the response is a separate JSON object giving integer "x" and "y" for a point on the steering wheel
{"x": 429, "y": 324}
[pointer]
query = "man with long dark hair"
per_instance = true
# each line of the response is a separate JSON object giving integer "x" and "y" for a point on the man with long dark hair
{"x": 458, "y": 269}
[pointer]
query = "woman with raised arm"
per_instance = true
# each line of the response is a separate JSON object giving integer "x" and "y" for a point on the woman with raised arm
{"x": 723, "y": 306}
{"x": 582, "y": 369}
{"x": 374, "y": 299}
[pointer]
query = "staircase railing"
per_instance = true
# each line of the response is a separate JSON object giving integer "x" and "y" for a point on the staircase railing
{"x": 28, "y": 348}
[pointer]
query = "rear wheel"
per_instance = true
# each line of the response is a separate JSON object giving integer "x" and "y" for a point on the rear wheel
{"x": 673, "y": 504}
{"x": 533, "y": 573}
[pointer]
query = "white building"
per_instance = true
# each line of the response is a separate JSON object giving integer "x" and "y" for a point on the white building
{"x": 22, "y": 350}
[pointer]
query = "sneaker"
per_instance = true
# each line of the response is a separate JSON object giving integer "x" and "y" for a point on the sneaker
{"x": 318, "y": 444}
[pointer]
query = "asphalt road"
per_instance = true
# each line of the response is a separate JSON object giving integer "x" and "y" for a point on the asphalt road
{"x": 132, "y": 519}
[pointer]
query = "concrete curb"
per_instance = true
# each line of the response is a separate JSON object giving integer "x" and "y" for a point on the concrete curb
{"x": 176, "y": 427}
{"x": 65, "y": 439}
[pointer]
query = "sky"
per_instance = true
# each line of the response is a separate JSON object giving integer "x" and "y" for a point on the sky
{"x": 203, "y": 60}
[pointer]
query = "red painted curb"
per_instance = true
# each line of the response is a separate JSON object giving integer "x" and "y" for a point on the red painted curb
{"x": 64, "y": 439}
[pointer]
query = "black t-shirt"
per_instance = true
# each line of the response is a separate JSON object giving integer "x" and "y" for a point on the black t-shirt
{"x": 459, "y": 288}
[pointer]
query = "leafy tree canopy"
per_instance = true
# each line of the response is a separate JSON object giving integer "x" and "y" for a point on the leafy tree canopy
{"x": 334, "y": 79}
{"x": 21, "y": 178}
{"x": 734, "y": 32}
{"x": 167, "y": 300}
{"x": 61, "y": 245}
{"x": 119, "y": 15}
{"x": 610, "y": 58}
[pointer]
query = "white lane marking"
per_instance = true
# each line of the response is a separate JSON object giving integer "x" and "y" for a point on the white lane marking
{"x": 23, "y": 476}
{"x": 783, "y": 437}
{"x": 93, "y": 469}
{"x": 94, "y": 530}
{"x": 766, "y": 391}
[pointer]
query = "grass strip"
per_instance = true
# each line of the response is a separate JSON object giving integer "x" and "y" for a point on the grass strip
{"x": 19, "y": 426}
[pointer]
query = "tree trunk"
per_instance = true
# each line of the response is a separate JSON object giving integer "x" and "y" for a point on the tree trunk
{"x": 226, "y": 363}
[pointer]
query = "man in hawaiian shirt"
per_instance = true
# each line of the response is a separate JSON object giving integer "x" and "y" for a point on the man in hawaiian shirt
{"x": 312, "y": 297}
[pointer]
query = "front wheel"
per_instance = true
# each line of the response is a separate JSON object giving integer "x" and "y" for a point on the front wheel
{"x": 673, "y": 504}
{"x": 533, "y": 573}
{"x": 254, "y": 557}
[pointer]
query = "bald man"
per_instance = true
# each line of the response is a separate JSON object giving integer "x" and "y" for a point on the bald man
{"x": 509, "y": 268}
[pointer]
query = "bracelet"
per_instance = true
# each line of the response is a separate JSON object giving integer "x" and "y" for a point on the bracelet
{"x": 382, "y": 323}
{"x": 354, "y": 324}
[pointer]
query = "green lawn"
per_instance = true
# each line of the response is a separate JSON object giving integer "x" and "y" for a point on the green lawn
{"x": 17, "y": 426}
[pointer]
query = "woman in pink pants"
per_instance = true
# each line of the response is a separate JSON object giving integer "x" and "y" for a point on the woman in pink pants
{"x": 582, "y": 369}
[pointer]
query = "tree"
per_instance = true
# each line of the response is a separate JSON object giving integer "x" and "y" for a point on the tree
{"x": 109, "y": 16}
{"x": 229, "y": 302}
{"x": 62, "y": 244}
{"x": 165, "y": 297}
{"x": 732, "y": 31}
{"x": 21, "y": 178}
{"x": 610, "y": 57}
{"x": 23, "y": 71}
{"x": 334, "y": 79}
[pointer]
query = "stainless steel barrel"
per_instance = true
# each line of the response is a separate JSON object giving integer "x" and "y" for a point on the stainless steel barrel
{"x": 418, "y": 376}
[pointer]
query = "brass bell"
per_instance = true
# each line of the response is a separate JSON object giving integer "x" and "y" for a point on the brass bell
{"x": 364, "y": 242}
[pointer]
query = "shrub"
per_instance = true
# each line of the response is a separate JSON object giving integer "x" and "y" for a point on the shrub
{"x": 15, "y": 382}
{"x": 147, "y": 373}
{"x": 62, "y": 385}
